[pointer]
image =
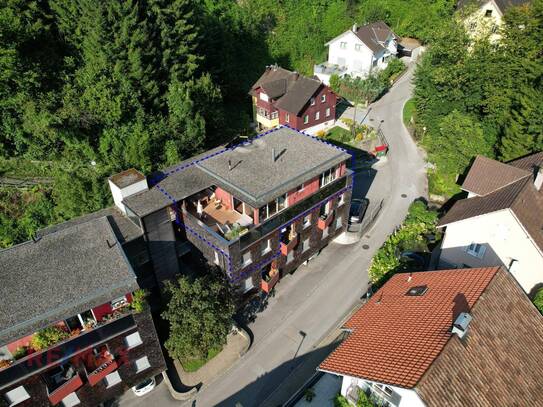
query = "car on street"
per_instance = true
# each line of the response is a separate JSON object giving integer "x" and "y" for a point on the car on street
{"x": 144, "y": 387}
{"x": 357, "y": 211}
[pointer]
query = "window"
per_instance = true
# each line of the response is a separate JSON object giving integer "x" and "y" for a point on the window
{"x": 287, "y": 117}
{"x": 112, "y": 379}
{"x": 142, "y": 364}
{"x": 317, "y": 115}
{"x": 488, "y": 13}
{"x": 133, "y": 340}
{"x": 325, "y": 232}
{"x": 358, "y": 47}
{"x": 312, "y": 101}
{"x": 70, "y": 400}
{"x": 341, "y": 200}
{"x": 494, "y": 28}
{"x": 323, "y": 98}
{"x": 300, "y": 188}
{"x": 290, "y": 256}
{"x": 306, "y": 119}
{"x": 263, "y": 97}
{"x": 118, "y": 302}
{"x": 248, "y": 284}
{"x": 274, "y": 115}
{"x": 327, "y": 111}
{"x": 16, "y": 396}
{"x": 266, "y": 246}
{"x": 216, "y": 260}
{"x": 246, "y": 259}
{"x": 305, "y": 245}
{"x": 328, "y": 176}
{"x": 476, "y": 250}
{"x": 281, "y": 202}
{"x": 343, "y": 45}
{"x": 374, "y": 63}
{"x": 307, "y": 221}
{"x": 273, "y": 207}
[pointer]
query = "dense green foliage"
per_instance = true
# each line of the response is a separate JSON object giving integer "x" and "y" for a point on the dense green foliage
{"x": 200, "y": 314}
{"x": 477, "y": 97}
{"x": 47, "y": 337}
{"x": 411, "y": 235}
{"x": 538, "y": 300}
{"x": 363, "y": 401}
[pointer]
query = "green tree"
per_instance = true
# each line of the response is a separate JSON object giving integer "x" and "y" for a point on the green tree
{"x": 199, "y": 313}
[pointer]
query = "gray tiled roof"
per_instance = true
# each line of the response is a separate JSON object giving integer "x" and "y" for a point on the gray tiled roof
{"x": 64, "y": 273}
{"x": 374, "y": 35}
{"x": 256, "y": 178}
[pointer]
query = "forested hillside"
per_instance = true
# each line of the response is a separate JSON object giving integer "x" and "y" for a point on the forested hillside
{"x": 481, "y": 97}
{"x": 89, "y": 88}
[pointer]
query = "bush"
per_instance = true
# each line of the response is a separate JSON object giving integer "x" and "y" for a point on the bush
{"x": 20, "y": 352}
{"x": 394, "y": 68}
{"x": 538, "y": 300}
{"x": 138, "y": 301}
{"x": 48, "y": 337}
{"x": 411, "y": 235}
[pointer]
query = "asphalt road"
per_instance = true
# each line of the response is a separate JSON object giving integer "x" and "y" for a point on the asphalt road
{"x": 312, "y": 301}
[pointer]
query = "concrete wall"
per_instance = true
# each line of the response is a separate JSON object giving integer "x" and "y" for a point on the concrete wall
{"x": 504, "y": 238}
{"x": 401, "y": 398}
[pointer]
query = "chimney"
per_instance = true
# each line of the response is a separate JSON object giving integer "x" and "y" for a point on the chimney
{"x": 354, "y": 28}
{"x": 460, "y": 326}
{"x": 125, "y": 184}
{"x": 538, "y": 181}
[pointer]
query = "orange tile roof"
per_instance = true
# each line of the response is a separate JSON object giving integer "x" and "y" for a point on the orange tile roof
{"x": 396, "y": 337}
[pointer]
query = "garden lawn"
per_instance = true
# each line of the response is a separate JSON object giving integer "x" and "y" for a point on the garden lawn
{"x": 192, "y": 365}
{"x": 338, "y": 134}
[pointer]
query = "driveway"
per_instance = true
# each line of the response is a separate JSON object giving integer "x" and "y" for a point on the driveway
{"x": 313, "y": 301}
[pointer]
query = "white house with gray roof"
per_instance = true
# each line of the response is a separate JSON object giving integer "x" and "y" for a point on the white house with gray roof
{"x": 358, "y": 52}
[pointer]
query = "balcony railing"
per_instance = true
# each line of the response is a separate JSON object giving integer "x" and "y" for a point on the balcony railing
{"x": 69, "y": 386}
{"x": 325, "y": 220}
{"x": 102, "y": 371}
{"x": 39, "y": 361}
{"x": 288, "y": 245}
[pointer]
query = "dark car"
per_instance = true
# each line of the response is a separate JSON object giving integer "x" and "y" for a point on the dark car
{"x": 357, "y": 211}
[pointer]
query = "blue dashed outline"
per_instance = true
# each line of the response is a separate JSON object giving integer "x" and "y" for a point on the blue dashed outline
{"x": 156, "y": 183}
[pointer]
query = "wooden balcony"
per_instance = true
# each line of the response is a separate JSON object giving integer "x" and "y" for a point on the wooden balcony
{"x": 69, "y": 386}
{"x": 325, "y": 220}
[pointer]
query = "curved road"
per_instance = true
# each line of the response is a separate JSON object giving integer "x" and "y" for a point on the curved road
{"x": 314, "y": 300}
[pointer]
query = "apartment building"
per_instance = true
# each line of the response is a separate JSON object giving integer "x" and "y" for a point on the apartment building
{"x": 69, "y": 334}
{"x": 257, "y": 210}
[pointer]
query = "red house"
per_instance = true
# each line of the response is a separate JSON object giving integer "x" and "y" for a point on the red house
{"x": 284, "y": 97}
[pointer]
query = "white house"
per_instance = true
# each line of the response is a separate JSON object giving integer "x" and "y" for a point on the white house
{"x": 358, "y": 51}
{"x": 485, "y": 16}
{"x": 452, "y": 338}
{"x": 501, "y": 221}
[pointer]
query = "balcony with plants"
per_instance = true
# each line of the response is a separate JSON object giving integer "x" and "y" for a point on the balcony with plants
{"x": 66, "y": 338}
{"x": 99, "y": 363}
{"x": 270, "y": 277}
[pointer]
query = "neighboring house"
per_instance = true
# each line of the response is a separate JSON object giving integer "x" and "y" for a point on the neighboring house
{"x": 257, "y": 210}
{"x": 466, "y": 337}
{"x": 358, "y": 52}
{"x": 78, "y": 280}
{"x": 484, "y": 16}
{"x": 501, "y": 221}
{"x": 283, "y": 97}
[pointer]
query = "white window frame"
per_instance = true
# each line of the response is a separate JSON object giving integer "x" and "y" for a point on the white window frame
{"x": 112, "y": 379}
{"x": 317, "y": 115}
{"x": 341, "y": 200}
{"x": 323, "y": 98}
{"x": 306, "y": 119}
{"x": 343, "y": 45}
{"x": 305, "y": 245}
{"x": 264, "y": 97}
{"x": 245, "y": 261}
{"x": 312, "y": 101}
{"x": 287, "y": 117}
{"x": 285, "y": 196}
{"x": 16, "y": 396}
{"x": 248, "y": 284}
{"x": 358, "y": 47}
{"x": 144, "y": 360}
{"x": 328, "y": 176}
{"x": 274, "y": 114}
{"x": 134, "y": 336}
{"x": 325, "y": 232}
{"x": 339, "y": 223}
{"x": 216, "y": 259}
{"x": 328, "y": 111}
{"x": 267, "y": 247}
{"x": 476, "y": 250}
{"x": 307, "y": 220}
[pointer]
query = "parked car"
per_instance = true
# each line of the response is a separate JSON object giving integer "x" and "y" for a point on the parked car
{"x": 144, "y": 387}
{"x": 357, "y": 211}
